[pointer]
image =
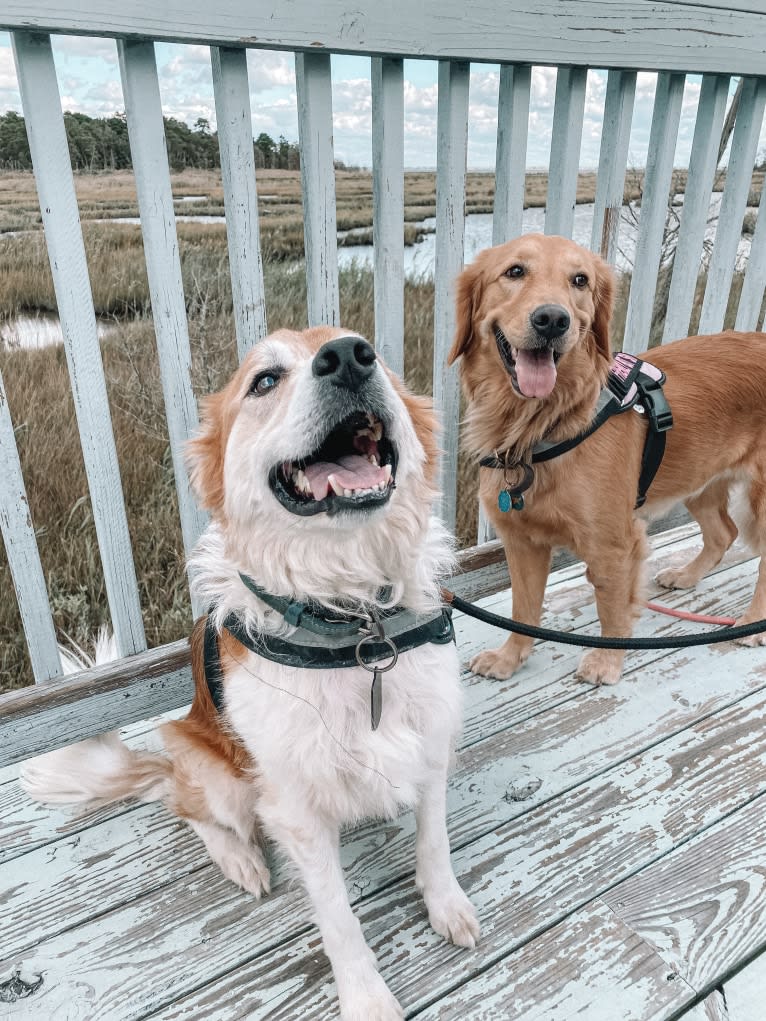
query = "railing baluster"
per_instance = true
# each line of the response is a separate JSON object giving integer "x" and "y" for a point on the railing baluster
{"x": 388, "y": 208}
{"x": 699, "y": 186}
{"x": 739, "y": 173}
{"x": 612, "y": 163}
{"x": 23, "y": 557}
{"x": 146, "y": 131}
{"x": 452, "y": 141}
{"x": 511, "y": 155}
{"x": 751, "y": 298}
{"x": 654, "y": 203}
{"x": 510, "y": 177}
{"x": 235, "y": 140}
{"x": 568, "y": 112}
{"x": 313, "y": 85}
{"x": 58, "y": 204}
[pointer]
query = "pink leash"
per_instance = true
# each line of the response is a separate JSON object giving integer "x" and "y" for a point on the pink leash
{"x": 700, "y": 618}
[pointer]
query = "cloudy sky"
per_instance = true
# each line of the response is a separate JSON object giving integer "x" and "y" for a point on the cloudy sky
{"x": 89, "y": 81}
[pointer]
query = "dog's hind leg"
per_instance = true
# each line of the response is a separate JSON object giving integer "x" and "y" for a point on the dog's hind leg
{"x": 218, "y": 802}
{"x": 755, "y": 536}
{"x": 710, "y": 508}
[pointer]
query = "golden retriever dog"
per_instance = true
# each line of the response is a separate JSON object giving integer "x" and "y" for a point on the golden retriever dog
{"x": 318, "y": 469}
{"x": 533, "y": 342}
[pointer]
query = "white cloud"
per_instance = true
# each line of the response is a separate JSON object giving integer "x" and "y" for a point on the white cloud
{"x": 9, "y": 90}
{"x": 87, "y": 47}
{"x": 270, "y": 69}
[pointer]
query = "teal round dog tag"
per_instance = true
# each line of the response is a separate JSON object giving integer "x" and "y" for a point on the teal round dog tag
{"x": 504, "y": 500}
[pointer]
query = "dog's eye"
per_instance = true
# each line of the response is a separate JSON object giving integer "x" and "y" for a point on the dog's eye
{"x": 265, "y": 381}
{"x": 515, "y": 271}
{"x": 580, "y": 280}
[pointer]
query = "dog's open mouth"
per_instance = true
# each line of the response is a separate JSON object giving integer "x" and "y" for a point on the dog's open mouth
{"x": 532, "y": 370}
{"x": 354, "y": 469}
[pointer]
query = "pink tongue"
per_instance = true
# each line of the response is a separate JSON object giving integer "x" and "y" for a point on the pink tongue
{"x": 535, "y": 372}
{"x": 351, "y": 472}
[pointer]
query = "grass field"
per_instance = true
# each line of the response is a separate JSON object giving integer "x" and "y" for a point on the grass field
{"x": 279, "y": 194}
{"x": 38, "y": 388}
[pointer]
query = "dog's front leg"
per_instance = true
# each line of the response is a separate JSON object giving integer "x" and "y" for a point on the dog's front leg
{"x": 450, "y": 912}
{"x": 313, "y": 845}
{"x": 617, "y": 575}
{"x": 529, "y": 565}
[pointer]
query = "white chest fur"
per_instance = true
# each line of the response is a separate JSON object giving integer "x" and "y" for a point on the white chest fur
{"x": 310, "y": 734}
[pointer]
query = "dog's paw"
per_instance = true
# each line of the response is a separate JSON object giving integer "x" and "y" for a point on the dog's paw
{"x": 754, "y": 640}
{"x": 497, "y": 663}
{"x": 453, "y": 916}
{"x": 600, "y": 666}
{"x": 366, "y": 997}
{"x": 676, "y": 577}
{"x": 246, "y": 867}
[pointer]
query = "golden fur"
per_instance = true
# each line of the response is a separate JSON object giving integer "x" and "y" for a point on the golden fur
{"x": 584, "y": 499}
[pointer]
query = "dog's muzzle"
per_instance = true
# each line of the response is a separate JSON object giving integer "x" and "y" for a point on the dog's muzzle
{"x": 353, "y": 469}
{"x": 532, "y": 369}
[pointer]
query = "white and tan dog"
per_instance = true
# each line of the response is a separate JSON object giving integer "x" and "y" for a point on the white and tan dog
{"x": 317, "y": 467}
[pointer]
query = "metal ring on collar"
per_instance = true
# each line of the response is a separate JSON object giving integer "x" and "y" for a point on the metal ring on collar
{"x": 373, "y": 667}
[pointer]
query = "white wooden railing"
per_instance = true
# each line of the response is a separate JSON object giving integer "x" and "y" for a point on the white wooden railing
{"x": 673, "y": 37}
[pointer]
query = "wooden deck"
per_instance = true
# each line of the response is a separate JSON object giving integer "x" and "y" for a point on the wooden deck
{"x": 613, "y": 841}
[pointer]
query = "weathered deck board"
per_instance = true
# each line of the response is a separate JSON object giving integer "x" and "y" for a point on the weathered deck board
{"x": 712, "y": 1008}
{"x": 745, "y": 992}
{"x": 704, "y": 919}
{"x": 547, "y": 978}
{"x": 561, "y": 792}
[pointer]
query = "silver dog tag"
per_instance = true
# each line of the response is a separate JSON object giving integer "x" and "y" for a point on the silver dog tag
{"x": 376, "y": 698}
{"x": 377, "y": 670}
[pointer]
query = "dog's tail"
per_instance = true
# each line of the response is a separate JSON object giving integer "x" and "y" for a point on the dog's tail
{"x": 101, "y": 769}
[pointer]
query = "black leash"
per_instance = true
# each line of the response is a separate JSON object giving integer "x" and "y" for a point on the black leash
{"x": 726, "y": 634}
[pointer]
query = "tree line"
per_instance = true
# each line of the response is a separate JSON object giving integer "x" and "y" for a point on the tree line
{"x": 101, "y": 143}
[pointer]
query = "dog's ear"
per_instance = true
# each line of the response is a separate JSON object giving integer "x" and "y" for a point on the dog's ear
{"x": 603, "y": 299}
{"x": 467, "y": 300}
{"x": 205, "y": 453}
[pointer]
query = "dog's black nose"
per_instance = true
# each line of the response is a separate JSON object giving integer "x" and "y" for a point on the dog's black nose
{"x": 348, "y": 361}
{"x": 550, "y": 321}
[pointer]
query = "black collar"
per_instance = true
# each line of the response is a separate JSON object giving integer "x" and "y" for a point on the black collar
{"x": 631, "y": 383}
{"x": 322, "y": 639}
{"x": 312, "y": 616}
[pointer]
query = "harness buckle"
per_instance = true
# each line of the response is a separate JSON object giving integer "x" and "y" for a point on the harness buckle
{"x": 657, "y": 408}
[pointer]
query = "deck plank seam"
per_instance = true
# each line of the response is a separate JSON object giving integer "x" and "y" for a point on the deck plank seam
{"x": 719, "y": 983}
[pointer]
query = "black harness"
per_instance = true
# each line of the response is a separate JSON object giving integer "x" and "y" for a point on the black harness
{"x": 324, "y": 638}
{"x": 631, "y": 383}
